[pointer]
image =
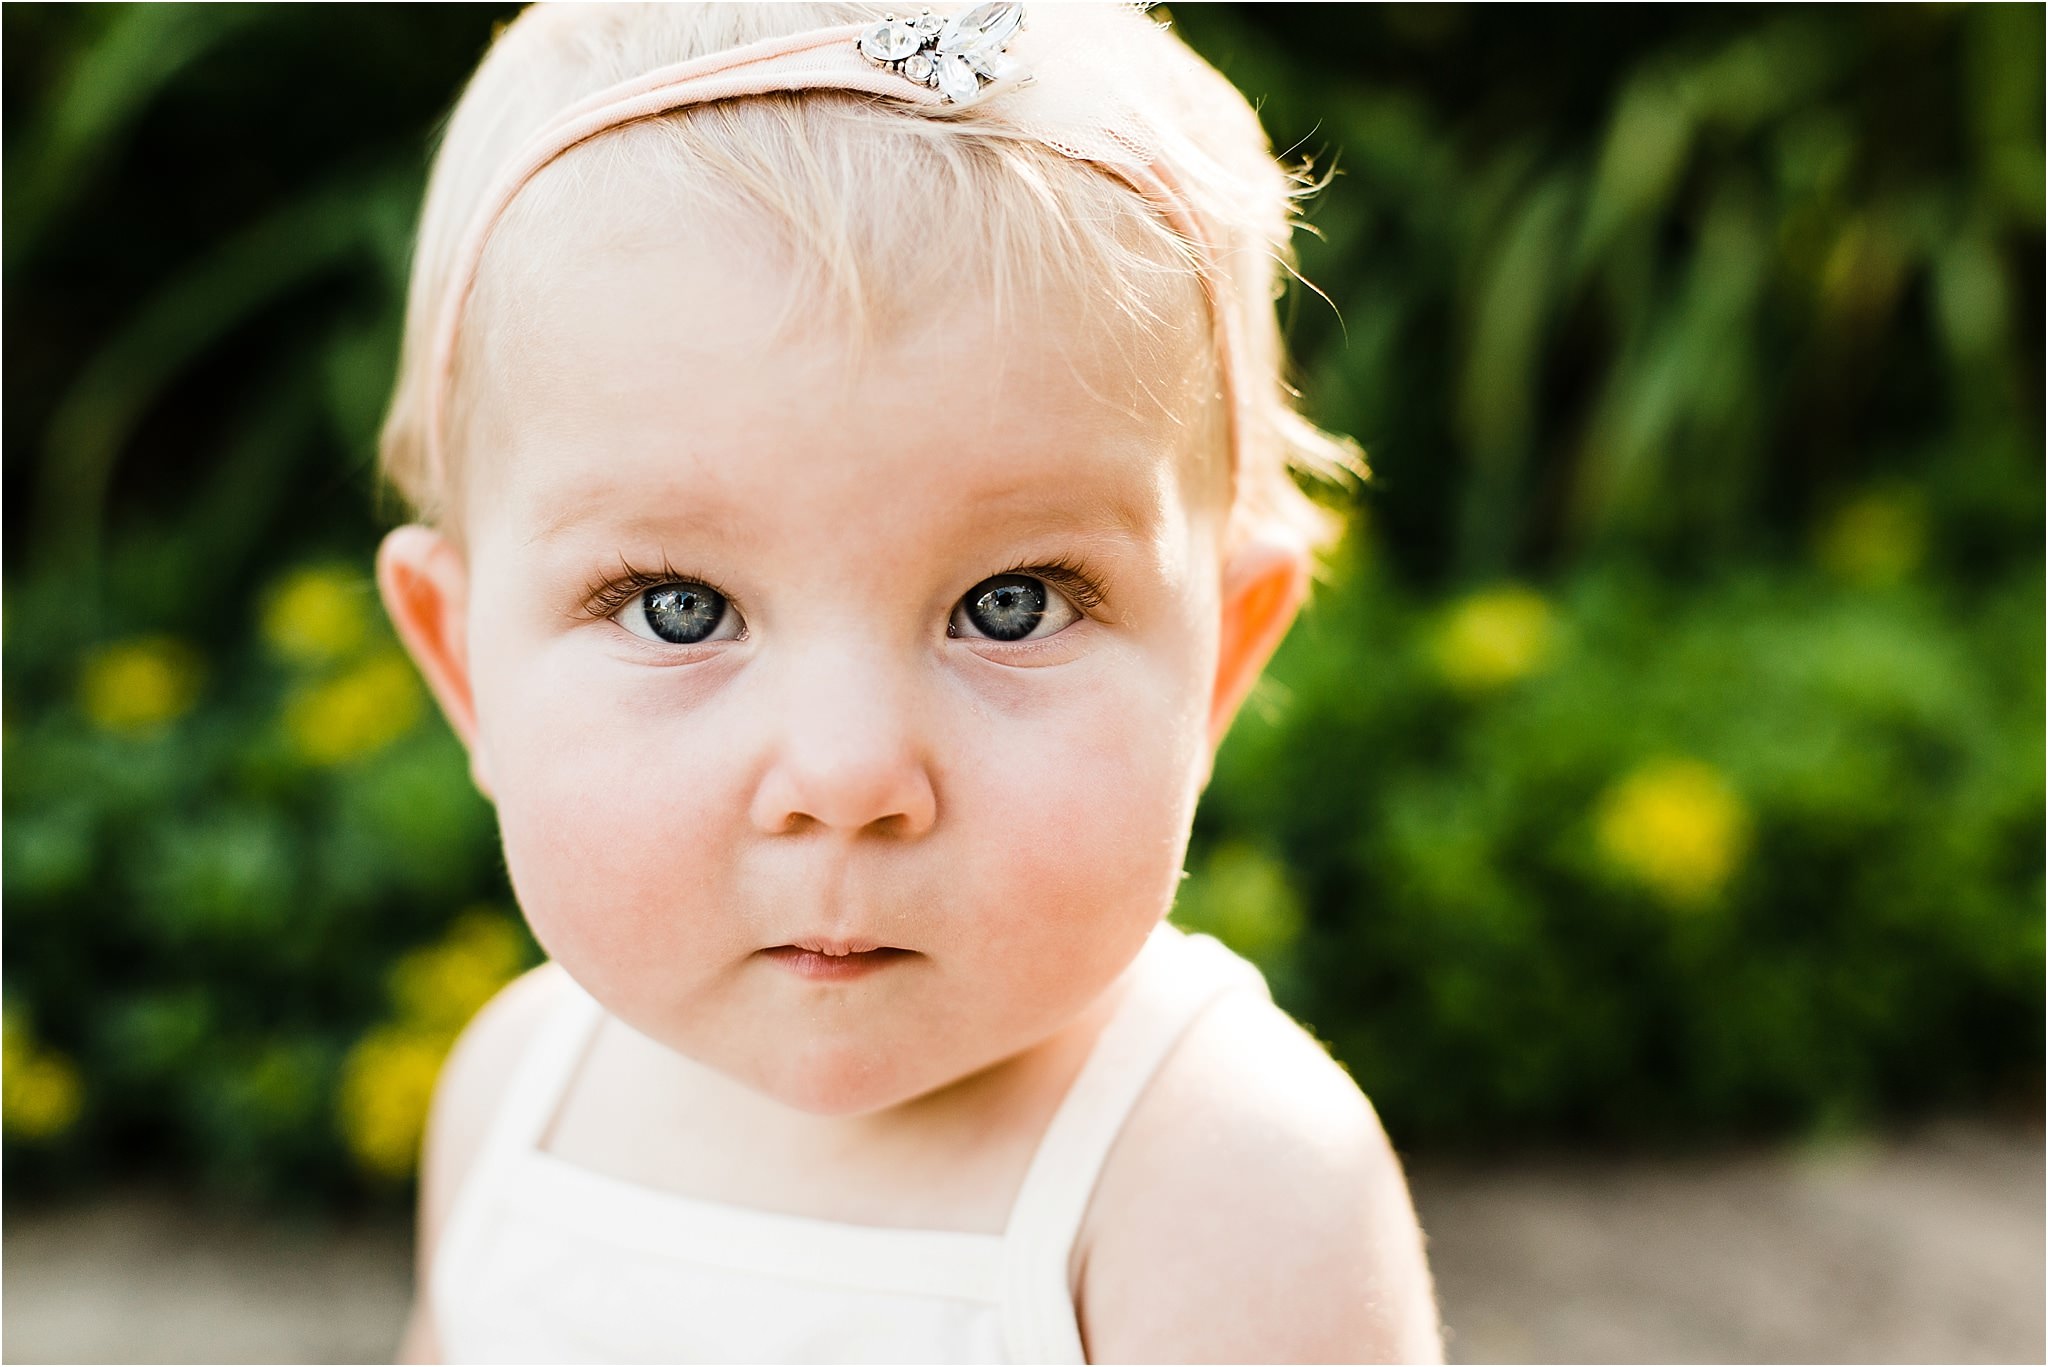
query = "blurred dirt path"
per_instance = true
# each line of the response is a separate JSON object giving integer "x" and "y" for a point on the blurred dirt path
{"x": 1923, "y": 1249}
{"x": 1919, "y": 1249}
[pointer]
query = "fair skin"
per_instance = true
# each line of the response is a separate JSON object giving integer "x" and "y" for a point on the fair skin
{"x": 801, "y": 719}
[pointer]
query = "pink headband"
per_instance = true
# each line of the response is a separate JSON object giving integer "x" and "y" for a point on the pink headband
{"x": 821, "y": 59}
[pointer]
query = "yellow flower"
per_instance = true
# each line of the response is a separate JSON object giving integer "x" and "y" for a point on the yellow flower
{"x": 387, "y": 1083}
{"x": 317, "y": 614}
{"x": 138, "y": 685}
{"x": 440, "y": 986}
{"x": 1243, "y": 898}
{"x": 355, "y": 713}
{"x": 1493, "y": 638}
{"x": 1875, "y": 539}
{"x": 40, "y": 1092}
{"x": 14, "y": 1039}
{"x": 1676, "y": 826}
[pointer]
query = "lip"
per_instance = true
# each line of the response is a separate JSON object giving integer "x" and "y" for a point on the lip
{"x": 820, "y": 944}
{"x": 834, "y": 965}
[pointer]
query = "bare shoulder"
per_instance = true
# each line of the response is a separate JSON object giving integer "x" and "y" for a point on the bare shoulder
{"x": 1253, "y": 1211}
{"x": 466, "y": 1098}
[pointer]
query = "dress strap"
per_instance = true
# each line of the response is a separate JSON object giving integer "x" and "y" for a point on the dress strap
{"x": 531, "y": 1097}
{"x": 537, "y": 1085}
{"x": 1176, "y": 977}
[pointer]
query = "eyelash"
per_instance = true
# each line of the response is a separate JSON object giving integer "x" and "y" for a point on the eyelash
{"x": 603, "y": 598}
{"x": 1069, "y": 575}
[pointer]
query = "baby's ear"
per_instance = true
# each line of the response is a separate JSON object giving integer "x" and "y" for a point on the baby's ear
{"x": 425, "y": 585}
{"x": 1265, "y": 579}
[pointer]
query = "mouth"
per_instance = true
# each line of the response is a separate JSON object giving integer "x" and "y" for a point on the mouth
{"x": 836, "y": 949}
{"x": 835, "y": 960}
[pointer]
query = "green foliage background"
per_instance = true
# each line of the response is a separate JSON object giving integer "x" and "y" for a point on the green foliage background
{"x": 1661, "y": 762}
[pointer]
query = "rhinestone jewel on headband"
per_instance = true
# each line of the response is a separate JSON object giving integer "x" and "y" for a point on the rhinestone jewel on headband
{"x": 954, "y": 56}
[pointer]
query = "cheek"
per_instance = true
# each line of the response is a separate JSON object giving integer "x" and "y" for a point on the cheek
{"x": 607, "y": 822}
{"x": 1084, "y": 807}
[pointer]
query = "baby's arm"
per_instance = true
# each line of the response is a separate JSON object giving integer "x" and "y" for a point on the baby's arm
{"x": 465, "y": 1100}
{"x": 1253, "y": 1211}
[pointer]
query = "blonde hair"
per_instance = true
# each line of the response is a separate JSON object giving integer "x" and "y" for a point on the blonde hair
{"x": 1000, "y": 204}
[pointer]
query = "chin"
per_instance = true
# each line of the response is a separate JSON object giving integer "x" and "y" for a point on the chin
{"x": 833, "y": 1082}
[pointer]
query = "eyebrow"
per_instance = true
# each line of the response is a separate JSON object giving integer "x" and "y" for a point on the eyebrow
{"x": 578, "y": 511}
{"x": 1115, "y": 516}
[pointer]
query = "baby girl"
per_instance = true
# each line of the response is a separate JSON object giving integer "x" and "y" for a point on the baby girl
{"x": 854, "y": 493}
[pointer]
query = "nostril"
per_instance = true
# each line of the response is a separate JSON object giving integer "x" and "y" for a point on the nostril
{"x": 887, "y": 796}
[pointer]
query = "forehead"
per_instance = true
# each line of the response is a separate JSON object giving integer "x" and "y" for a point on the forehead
{"x": 712, "y": 370}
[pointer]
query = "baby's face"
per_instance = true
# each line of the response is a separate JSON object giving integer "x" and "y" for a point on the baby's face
{"x": 773, "y": 646}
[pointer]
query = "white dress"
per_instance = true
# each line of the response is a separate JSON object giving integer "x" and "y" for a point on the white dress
{"x": 544, "y": 1261}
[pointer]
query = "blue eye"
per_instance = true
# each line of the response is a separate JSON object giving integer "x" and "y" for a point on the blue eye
{"x": 1011, "y": 607}
{"x": 679, "y": 614}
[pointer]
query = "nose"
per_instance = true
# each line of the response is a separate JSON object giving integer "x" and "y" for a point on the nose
{"x": 847, "y": 754}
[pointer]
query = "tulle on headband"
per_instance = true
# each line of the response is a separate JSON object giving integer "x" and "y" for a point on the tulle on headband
{"x": 1054, "y": 81}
